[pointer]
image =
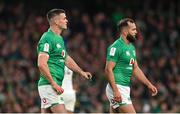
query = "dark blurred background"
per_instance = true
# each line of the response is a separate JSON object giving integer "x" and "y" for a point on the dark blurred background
{"x": 92, "y": 28}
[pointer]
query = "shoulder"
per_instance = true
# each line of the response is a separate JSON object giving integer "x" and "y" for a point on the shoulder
{"x": 117, "y": 45}
{"x": 46, "y": 36}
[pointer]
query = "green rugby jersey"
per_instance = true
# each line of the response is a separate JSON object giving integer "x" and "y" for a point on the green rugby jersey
{"x": 53, "y": 45}
{"x": 124, "y": 56}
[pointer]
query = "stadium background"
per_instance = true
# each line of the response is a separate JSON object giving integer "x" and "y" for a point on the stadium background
{"x": 92, "y": 27}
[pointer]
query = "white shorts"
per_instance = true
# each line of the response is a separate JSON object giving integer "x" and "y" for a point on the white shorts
{"x": 49, "y": 97}
{"x": 69, "y": 100}
{"x": 125, "y": 95}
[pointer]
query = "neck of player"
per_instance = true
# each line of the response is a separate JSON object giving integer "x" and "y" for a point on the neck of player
{"x": 124, "y": 38}
{"x": 56, "y": 30}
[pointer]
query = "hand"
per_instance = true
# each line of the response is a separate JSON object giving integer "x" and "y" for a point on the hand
{"x": 58, "y": 88}
{"x": 153, "y": 90}
{"x": 117, "y": 96}
{"x": 87, "y": 75}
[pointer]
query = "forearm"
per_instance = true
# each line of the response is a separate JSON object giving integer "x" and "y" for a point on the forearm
{"x": 71, "y": 64}
{"x": 44, "y": 69}
{"x": 140, "y": 76}
{"x": 111, "y": 80}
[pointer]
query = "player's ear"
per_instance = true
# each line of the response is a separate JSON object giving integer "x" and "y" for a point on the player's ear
{"x": 125, "y": 30}
{"x": 55, "y": 21}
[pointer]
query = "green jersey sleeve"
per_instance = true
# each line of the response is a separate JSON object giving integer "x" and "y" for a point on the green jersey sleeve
{"x": 112, "y": 54}
{"x": 45, "y": 44}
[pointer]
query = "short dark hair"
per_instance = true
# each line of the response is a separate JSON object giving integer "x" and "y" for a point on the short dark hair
{"x": 124, "y": 23}
{"x": 53, "y": 12}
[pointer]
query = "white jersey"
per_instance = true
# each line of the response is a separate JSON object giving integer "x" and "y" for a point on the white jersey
{"x": 69, "y": 95}
{"x": 67, "y": 84}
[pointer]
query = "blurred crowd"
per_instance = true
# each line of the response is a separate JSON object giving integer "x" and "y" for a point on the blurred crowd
{"x": 90, "y": 33}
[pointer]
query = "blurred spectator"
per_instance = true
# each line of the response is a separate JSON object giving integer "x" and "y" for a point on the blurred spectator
{"x": 89, "y": 34}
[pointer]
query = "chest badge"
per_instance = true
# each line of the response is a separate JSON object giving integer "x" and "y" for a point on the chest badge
{"x": 132, "y": 61}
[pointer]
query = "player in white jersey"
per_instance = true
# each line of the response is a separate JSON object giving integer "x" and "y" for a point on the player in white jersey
{"x": 69, "y": 94}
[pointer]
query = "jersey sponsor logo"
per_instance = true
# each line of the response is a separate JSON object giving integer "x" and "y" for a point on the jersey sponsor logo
{"x": 46, "y": 47}
{"x": 112, "y": 51}
{"x": 131, "y": 61}
{"x": 127, "y": 53}
{"x": 63, "y": 53}
{"x": 58, "y": 45}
